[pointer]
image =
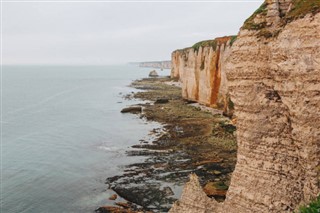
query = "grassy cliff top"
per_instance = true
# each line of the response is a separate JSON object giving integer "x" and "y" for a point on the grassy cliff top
{"x": 299, "y": 9}
{"x": 210, "y": 43}
{"x": 303, "y": 7}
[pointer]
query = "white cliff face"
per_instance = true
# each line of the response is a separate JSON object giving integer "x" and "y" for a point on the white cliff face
{"x": 156, "y": 64}
{"x": 274, "y": 83}
{"x": 201, "y": 72}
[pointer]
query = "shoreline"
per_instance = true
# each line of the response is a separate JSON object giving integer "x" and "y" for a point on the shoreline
{"x": 192, "y": 140}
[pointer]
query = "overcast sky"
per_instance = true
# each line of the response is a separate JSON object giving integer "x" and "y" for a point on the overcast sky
{"x": 113, "y": 32}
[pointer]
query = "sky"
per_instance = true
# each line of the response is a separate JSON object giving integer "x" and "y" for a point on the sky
{"x": 100, "y": 33}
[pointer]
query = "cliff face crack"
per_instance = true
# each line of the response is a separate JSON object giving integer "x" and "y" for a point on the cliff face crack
{"x": 215, "y": 78}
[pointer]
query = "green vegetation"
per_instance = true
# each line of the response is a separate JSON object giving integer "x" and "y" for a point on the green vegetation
{"x": 299, "y": 9}
{"x": 303, "y": 7}
{"x": 206, "y": 43}
{"x": 233, "y": 39}
{"x": 230, "y": 104}
{"x": 313, "y": 207}
{"x": 228, "y": 127}
{"x": 220, "y": 185}
{"x": 249, "y": 23}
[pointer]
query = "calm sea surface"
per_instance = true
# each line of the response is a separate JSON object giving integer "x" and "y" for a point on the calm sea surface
{"x": 63, "y": 135}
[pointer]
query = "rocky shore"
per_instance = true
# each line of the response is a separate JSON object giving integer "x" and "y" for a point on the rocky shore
{"x": 192, "y": 140}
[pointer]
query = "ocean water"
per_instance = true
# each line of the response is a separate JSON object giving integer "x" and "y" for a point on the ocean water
{"x": 63, "y": 135}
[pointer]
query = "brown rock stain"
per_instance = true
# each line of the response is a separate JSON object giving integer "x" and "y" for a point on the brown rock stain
{"x": 200, "y": 72}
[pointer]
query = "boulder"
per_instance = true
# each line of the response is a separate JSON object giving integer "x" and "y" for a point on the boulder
{"x": 161, "y": 101}
{"x": 132, "y": 109}
{"x": 153, "y": 73}
{"x": 113, "y": 197}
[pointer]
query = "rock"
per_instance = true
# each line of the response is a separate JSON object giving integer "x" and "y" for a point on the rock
{"x": 161, "y": 101}
{"x": 168, "y": 191}
{"x": 113, "y": 209}
{"x": 122, "y": 204}
{"x": 132, "y": 109}
{"x": 153, "y": 73}
{"x": 215, "y": 189}
{"x": 216, "y": 172}
{"x": 146, "y": 195}
{"x": 113, "y": 197}
{"x": 194, "y": 199}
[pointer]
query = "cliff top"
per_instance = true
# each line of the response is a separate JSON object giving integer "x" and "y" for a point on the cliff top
{"x": 272, "y": 15}
{"x": 210, "y": 43}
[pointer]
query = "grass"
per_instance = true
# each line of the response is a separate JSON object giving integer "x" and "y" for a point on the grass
{"x": 230, "y": 104}
{"x": 301, "y": 8}
{"x": 206, "y": 43}
{"x": 249, "y": 23}
{"x": 313, "y": 207}
{"x": 233, "y": 39}
{"x": 214, "y": 43}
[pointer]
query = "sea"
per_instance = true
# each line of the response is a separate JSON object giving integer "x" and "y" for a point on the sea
{"x": 63, "y": 135}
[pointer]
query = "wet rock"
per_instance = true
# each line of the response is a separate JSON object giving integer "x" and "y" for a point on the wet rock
{"x": 161, "y": 101}
{"x": 124, "y": 205}
{"x": 153, "y": 73}
{"x": 132, "y": 109}
{"x": 187, "y": 146}
{"x": 216, "y": 172}
{"x": 148, "y": 196}
{"x": 112, "y": 209}
{"x": 168, "y": 191}
{"x": 113, "y": 197}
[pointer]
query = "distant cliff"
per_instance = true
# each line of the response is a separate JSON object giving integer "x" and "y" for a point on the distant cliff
{"x": 273, "y": 78}
{"x": 156, "y": 64}
{"x": 201, "y": 71}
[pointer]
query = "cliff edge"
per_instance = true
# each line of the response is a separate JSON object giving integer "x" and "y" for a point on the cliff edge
{"x": 273, "y": 73}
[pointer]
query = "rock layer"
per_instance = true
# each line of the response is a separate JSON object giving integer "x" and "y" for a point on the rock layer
{"x": 274, "y": 82}
{"x": 201, "y": 71}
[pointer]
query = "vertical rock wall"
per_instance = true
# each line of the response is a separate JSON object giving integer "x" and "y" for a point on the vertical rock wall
{"x": 201, "y": 72}
{"x": 273, "y": 74}
{"x": 275, "y": 85}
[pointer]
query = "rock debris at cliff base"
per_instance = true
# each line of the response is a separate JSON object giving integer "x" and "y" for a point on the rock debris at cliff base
{"x": 193, "y": 141}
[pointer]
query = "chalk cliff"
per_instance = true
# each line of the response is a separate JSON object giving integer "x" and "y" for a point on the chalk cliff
{"x": 156, "y": 64}
{"x": 200, "y": 69}
{"x": 273, "y": 73}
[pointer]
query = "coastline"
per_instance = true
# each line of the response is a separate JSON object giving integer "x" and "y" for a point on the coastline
{"x": 192, "y": 140}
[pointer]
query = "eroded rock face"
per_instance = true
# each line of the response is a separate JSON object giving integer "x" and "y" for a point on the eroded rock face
{"x": 201, "y": 72}
{"x": 275, "y": 86}
{"x": 274, "y": 83}
{"x": 194, "y": 199}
